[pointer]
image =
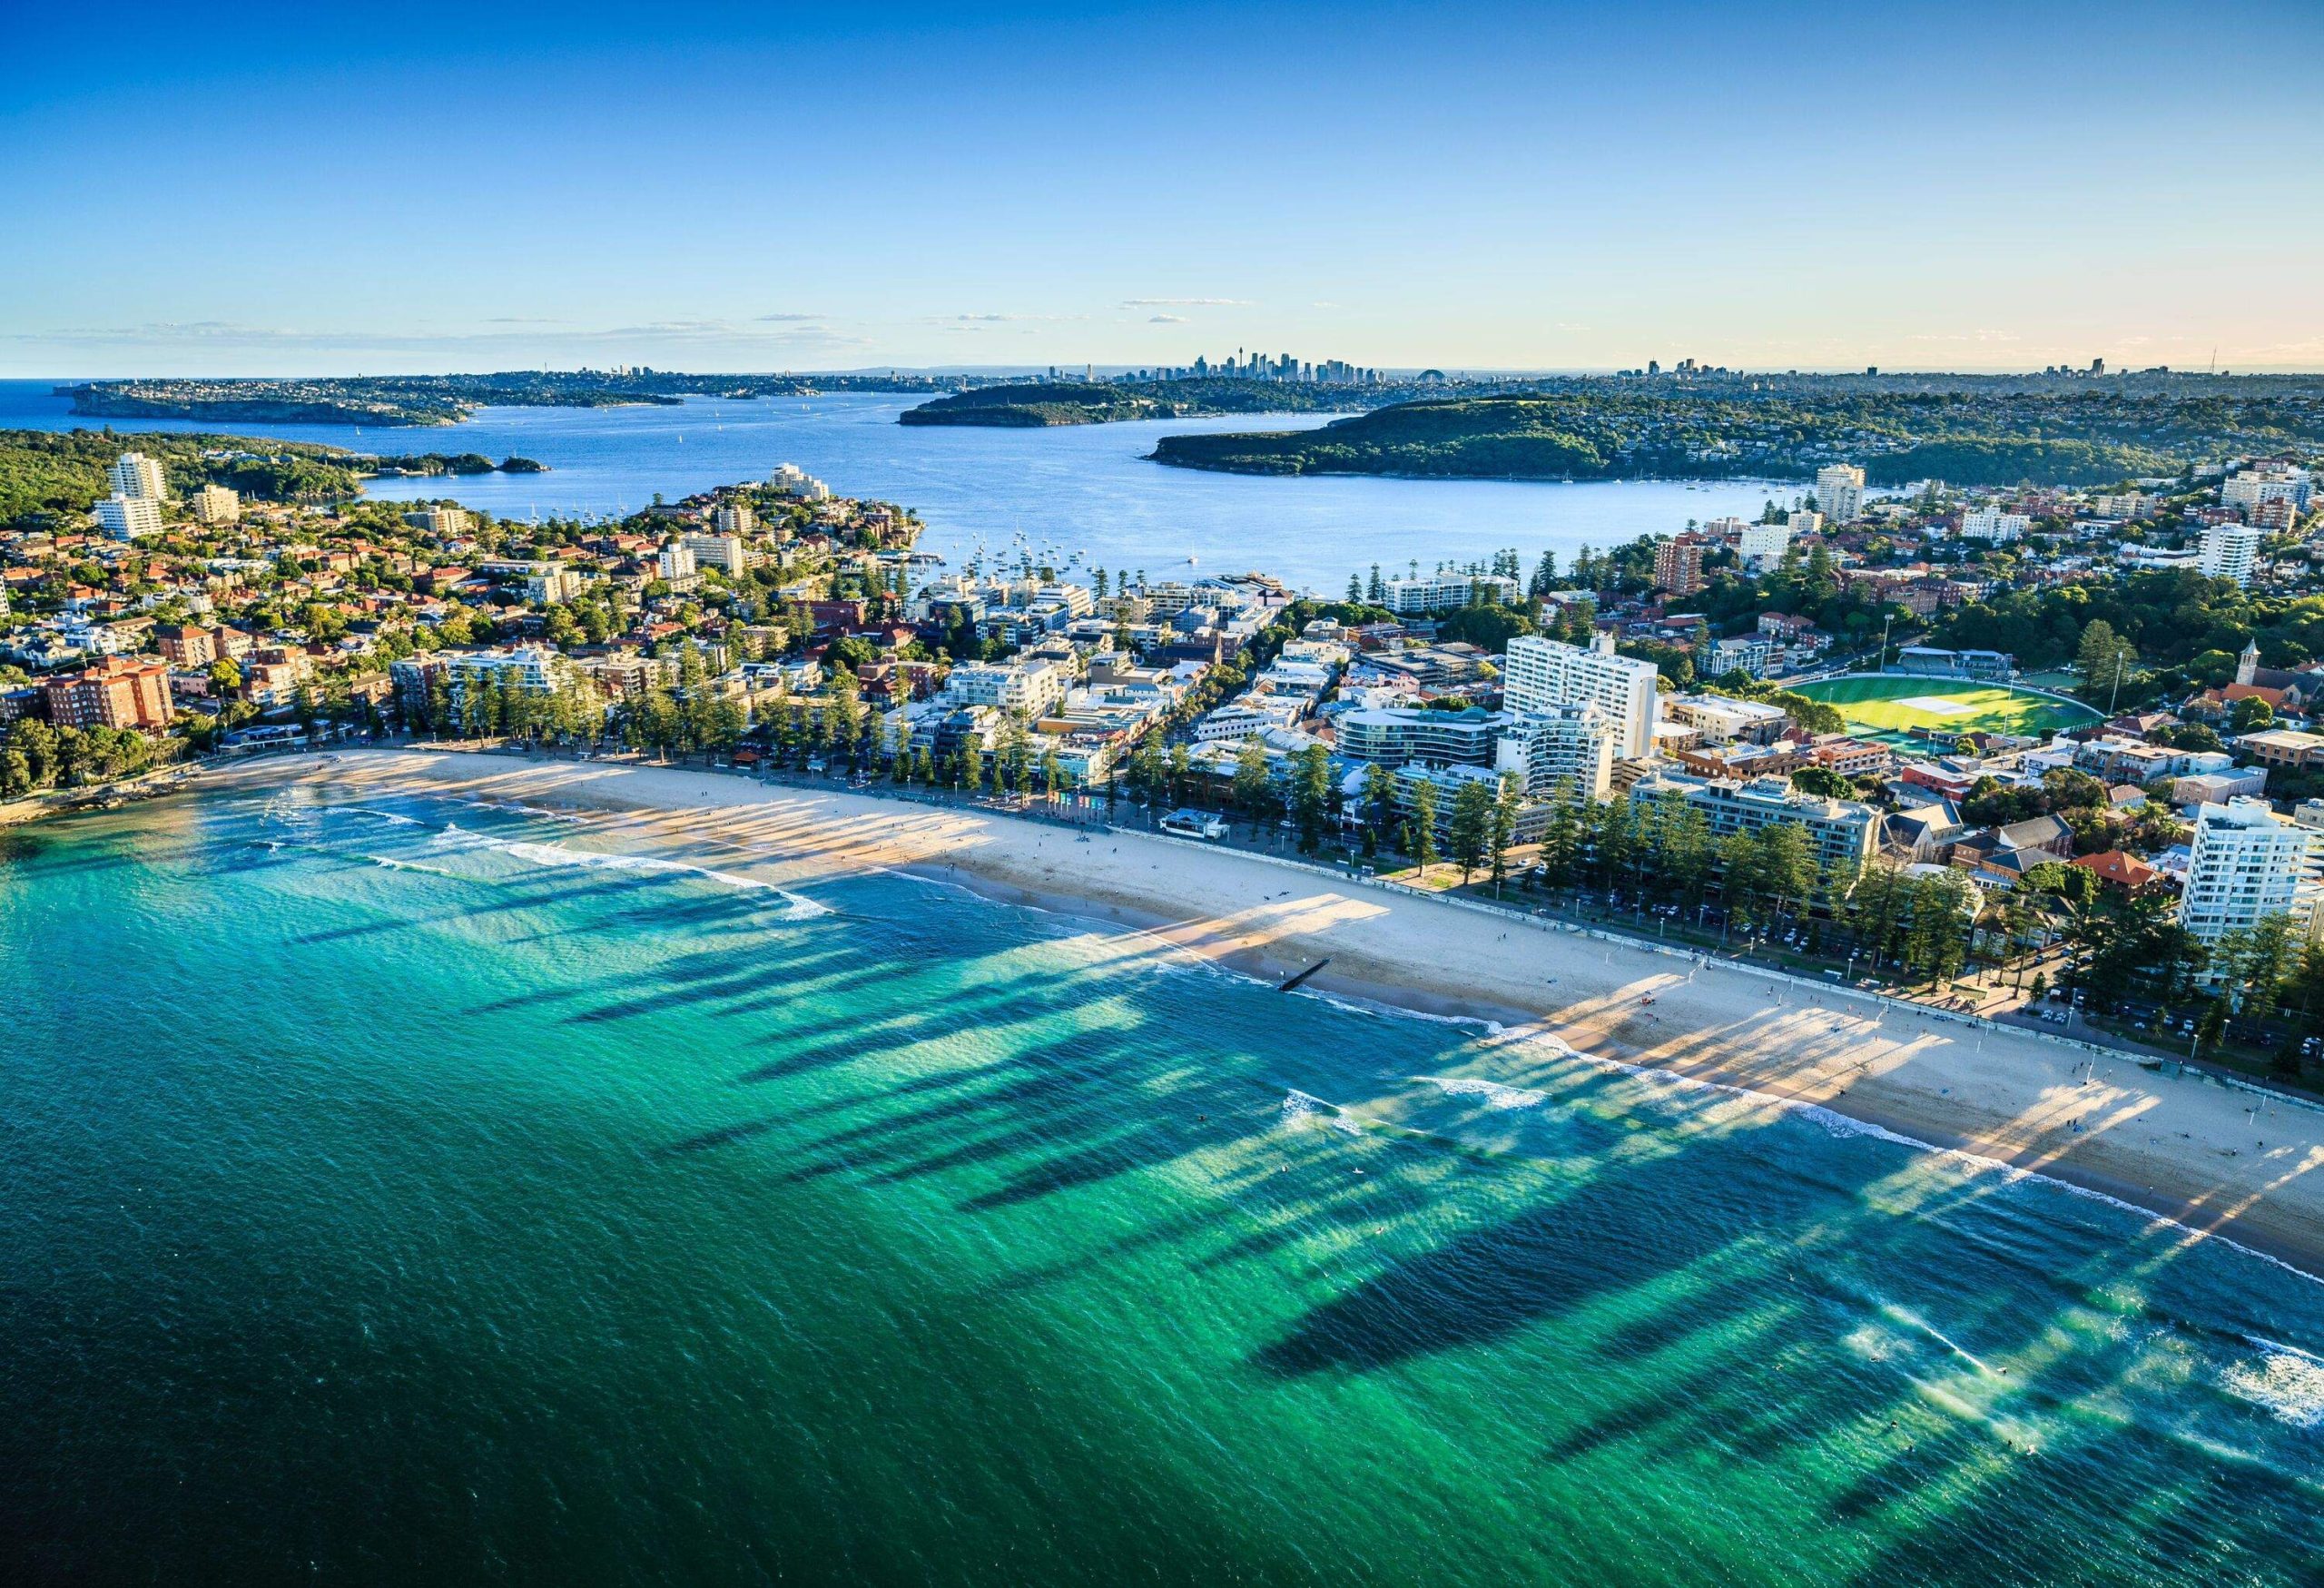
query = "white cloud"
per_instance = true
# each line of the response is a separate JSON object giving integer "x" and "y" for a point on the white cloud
{"x": 1187, "y": 302}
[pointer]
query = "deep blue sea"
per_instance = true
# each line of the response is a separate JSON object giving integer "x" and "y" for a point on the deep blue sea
{"x": 405, "y": 1190}
{"x": 1084, "y": 488}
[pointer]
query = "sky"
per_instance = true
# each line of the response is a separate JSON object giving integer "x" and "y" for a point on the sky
{"x": 225, "y": 189}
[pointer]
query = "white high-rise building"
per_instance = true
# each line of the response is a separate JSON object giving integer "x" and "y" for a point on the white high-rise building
{"x": 1839, "y": 492}
{"x": 675, "y": 562}
{"x": 1804, "y": 521}
{"x": 2229, "y": 550}
{"x": 127, "y": 518}
{"x": 1542, "y": 674}
{"x": 1992, "y": 524}
{"x": 1762, "y": 545}
{"x": 137, "y": 477}
{"x": 733, "y": 519}
{"x": 2246, "y": 866}
{"x": 1573, "y": 743}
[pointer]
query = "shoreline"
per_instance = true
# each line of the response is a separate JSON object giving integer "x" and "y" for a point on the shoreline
{"x": 2171, "y": 1148}
{"x": 1510, "y": 1024}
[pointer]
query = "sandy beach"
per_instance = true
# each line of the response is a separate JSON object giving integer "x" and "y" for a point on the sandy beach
{"x": 2216, "y": 1161}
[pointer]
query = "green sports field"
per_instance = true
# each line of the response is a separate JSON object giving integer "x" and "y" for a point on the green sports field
{"x": 1888, "y": 707}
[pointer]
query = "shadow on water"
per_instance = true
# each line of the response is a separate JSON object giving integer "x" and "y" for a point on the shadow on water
{"x": 1687, "y": 1264}
{"x": 1717, "y": 1262}
{"x": 1677, "y": 1280}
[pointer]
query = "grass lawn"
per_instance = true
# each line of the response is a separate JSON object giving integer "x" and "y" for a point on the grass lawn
{"x": 1889, "y": 707}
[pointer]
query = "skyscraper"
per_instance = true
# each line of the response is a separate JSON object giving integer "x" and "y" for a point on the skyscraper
{"x": 1839, "y": 492}
{"x": 137, "y": 477}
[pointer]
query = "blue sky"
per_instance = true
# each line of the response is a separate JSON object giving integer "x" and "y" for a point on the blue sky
{"x": 221, "y": 189}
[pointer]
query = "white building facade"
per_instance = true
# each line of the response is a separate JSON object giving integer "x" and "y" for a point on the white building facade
{"x": 1573, "y": 744}
{"x": 2228, "y": 552}
{"x": 1994, "y": 525}
{"x": 137, "y": 477}
{"x": 1417, "y": 597}
{"x": 1762, "y": 545}
{"x": 1839, "y": 492}
{"x": 2246, "y": 866}
{"x": 127, "y": 518}
{"x": 1543, "y": 674}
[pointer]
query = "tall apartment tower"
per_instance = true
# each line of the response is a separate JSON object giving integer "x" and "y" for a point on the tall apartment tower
{"x": 1544, "y": 674}
{"x": 129, "y": 518}
{"x": 1839, "y": 493}
{"x": 2246, "y": 866}
{"x": 1679, "y": 565}
{"x": 137, "y": 477}
{"x": 2228, "y": 551}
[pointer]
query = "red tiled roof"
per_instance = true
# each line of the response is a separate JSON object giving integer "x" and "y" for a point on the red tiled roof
{"x": 2125, "y": 870}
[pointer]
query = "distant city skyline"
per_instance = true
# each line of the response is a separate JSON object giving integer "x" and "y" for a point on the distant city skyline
{"x": 269, "y": 190}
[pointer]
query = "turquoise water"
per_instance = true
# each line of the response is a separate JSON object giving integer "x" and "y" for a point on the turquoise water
{"x": 408, "y": 1193}
{"x": 1084, "y": 488}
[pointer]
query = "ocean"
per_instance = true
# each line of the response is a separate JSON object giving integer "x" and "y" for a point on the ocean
{"x": 418, "y": 1190}
{"x": 1081, "y": 487}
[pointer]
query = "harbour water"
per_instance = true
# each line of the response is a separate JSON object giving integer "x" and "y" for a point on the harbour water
{"x": 1083, "y": 488}
{"x": 422, "y": 1191}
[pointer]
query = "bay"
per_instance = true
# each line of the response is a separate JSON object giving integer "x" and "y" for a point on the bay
{"x": 1082, "y": 487}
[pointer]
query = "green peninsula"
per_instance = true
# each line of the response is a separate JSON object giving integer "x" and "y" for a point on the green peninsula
{"x": 1966, "y": 430}
{"x": 48, "y": 478}
{"x": 48, "y": 475}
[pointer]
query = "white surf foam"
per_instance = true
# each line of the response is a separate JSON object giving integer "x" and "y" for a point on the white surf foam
{"x": 1492, "y": 1093}
{"x": 392, "y": 865}
{"x": 456, "y": 837}
{"x": 2288, "y": 1381}
{"x": 1299, "y": 1108}
{"x": 548, "y": 812}
{"x": 394, "y": 817}
{"x": 557, "y": 855}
